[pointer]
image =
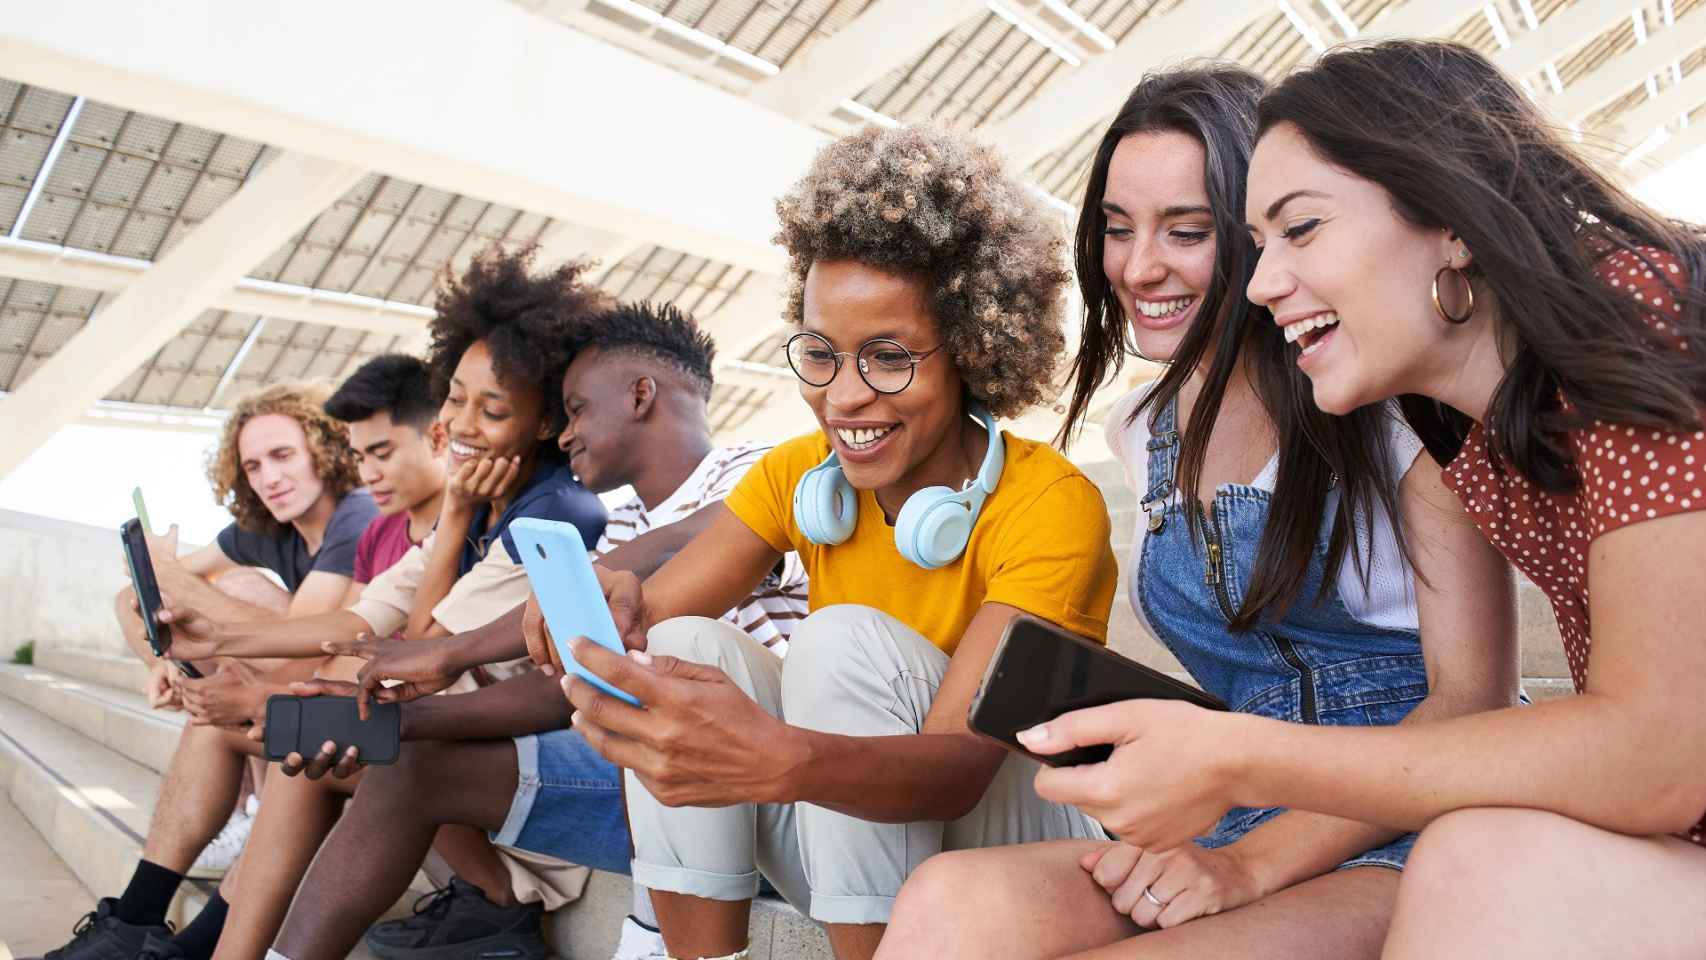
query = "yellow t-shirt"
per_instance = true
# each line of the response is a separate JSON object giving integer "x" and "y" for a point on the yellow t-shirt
{"x": 1040, "y": 544}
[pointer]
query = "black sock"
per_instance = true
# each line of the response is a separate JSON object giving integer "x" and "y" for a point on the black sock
{"x": 145, "y": 902}
{"x": 199, "y": 938}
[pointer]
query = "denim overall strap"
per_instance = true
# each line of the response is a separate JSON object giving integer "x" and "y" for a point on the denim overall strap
{"x": 1163, "y": 447}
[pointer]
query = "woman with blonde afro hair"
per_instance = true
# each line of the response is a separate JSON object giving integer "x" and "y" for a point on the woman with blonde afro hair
{"x": 938, "y": 206}
{"x": 925, "y": 295}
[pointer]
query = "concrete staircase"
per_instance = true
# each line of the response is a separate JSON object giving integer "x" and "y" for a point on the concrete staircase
{"x": 81, "y": 758}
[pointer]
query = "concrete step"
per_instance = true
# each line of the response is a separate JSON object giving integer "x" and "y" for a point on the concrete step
{"x": 40, "y": 900}
{"x": 123, "y": 672}
{"x": 117, "y": 719}
{"x": 91, "y": 723}
{"x": 90, "y": 803}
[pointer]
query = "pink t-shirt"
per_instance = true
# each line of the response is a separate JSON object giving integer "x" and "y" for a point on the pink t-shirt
{"x": 383, "y": 543}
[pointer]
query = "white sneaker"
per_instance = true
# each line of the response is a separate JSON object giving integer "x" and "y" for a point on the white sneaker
{"x": 639, "y": 942}
{"x": 217, "y": 857}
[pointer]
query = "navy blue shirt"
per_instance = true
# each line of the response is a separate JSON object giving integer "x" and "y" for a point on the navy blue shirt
{"x": 286, "y": 553}
{"x": 552, "y": 493}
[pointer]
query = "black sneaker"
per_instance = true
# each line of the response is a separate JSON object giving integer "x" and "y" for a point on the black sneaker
{"x": 102, "y": 936}
{"x": 160, "y": 948}
{"x": 459, "y": 923}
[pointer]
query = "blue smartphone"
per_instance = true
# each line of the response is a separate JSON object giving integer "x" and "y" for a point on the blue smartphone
{"x": 569, "y": 595}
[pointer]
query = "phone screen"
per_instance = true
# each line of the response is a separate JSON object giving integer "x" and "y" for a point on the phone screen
{"x": 1040, "y": 672}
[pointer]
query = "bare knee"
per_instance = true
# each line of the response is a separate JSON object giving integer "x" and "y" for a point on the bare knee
{"x": 933, "y": 903}
{"x": 254, "y": 588}
{"x": 695, "y": 639}
{"x": 1470, "y": 852}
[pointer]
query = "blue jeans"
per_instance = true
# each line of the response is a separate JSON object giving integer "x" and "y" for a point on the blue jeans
{"x": 568, "y": 803}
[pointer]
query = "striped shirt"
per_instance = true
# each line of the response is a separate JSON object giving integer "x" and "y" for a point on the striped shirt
{"x": 771, "y": 611}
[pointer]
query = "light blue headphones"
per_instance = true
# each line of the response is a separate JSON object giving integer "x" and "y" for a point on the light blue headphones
{"x": 934, "y": 524}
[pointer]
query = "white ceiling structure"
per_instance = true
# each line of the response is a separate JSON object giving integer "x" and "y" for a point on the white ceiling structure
{"x": 199, "y": 197}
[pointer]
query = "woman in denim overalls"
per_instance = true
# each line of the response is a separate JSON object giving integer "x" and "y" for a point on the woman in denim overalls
{"x": 1309, "y": 628}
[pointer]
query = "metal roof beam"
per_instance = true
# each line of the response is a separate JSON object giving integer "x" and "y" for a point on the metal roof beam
{"x": 887, "y": 35}
{"x": 1629, "y": 69}
{"x": 1422, "y": 18}
{"x": 1085, "y": 95}
{"x": 1633, "y": 125}
{"x": 87, "y": 270}
{"x": 480, "y": 97}
{"x": 1567, "y": 30}
{"x": 1680, "y": 145}
{"x": 274, "y": 204}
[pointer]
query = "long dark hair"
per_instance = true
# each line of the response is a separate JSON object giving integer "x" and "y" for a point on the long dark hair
{"x": 1457, "y": 145}
{"x": 1216, "y": 104}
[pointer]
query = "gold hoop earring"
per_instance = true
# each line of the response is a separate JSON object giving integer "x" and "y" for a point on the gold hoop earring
{"x": 1468, "y": 291}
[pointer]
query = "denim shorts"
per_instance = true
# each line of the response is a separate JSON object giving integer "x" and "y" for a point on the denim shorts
{"x": 568, "y": 803}
{"x": 1241, "y": 821}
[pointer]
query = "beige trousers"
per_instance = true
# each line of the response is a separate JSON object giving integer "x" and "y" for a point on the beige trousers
{"x": 854, "y": 671}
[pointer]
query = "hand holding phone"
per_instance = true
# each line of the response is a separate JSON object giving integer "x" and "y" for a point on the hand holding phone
{"x": 1040, "y": 671}
{"x": 301, "y": 725}
{"x": 142, "y": 580}
{"x": 568, "y": 591}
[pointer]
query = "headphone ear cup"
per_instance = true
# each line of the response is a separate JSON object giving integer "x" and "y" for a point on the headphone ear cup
{"x": 826, "y": 507}
{"x": 933, "y": 527}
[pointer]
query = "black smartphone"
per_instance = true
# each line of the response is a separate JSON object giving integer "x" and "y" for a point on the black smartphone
{"x": 302, "y": 724}
{"x": 1040, "y": 671}
{"x": 148, "y": 594}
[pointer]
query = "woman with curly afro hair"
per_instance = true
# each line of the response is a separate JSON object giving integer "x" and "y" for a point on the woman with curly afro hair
{"x": 496, "y": 358}
{"x": 926, "y": 296}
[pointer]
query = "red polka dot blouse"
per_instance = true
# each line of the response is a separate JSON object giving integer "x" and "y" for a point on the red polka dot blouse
{"x": 1629, "y": 474}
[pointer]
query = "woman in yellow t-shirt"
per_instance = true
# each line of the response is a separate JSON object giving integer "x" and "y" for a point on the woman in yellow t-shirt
{"x": 926, "y": 292}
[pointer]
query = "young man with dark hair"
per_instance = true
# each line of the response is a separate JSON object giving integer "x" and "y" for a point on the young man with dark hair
{"x": 503, "y": 758}
{"x": 392, "y": 415}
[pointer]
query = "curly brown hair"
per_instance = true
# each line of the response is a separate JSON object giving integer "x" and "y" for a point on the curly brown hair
{"x": 328, "y": 445}
{"x": 933, "y": 203}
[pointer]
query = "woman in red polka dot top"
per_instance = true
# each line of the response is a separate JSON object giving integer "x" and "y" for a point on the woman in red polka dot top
{"x": 1426, "y": 235}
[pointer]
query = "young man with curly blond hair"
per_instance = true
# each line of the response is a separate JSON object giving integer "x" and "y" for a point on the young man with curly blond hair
{"x": 926, "y": 293}
{"x": 285, "y": 470}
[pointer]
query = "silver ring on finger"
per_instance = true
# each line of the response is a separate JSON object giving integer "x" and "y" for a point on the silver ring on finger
{"x": 1152, "y": 898}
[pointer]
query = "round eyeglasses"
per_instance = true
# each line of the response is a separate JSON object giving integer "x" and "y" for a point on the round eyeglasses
{"x": 884, "y": 365}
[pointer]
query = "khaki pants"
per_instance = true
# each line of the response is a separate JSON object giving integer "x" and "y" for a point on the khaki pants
{"x": 853, "y": 671}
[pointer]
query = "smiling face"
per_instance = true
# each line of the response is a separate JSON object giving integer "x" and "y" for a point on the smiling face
{"x": 485, "y": 418}
{"x": 272, "y": 452}
{"x": 1158, "y": 248}
{"x": 885, "y": 440}
{"x": 599, "y": 399}
{"x": 401, "y": 465}
{"x": 1348, "y": 278}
